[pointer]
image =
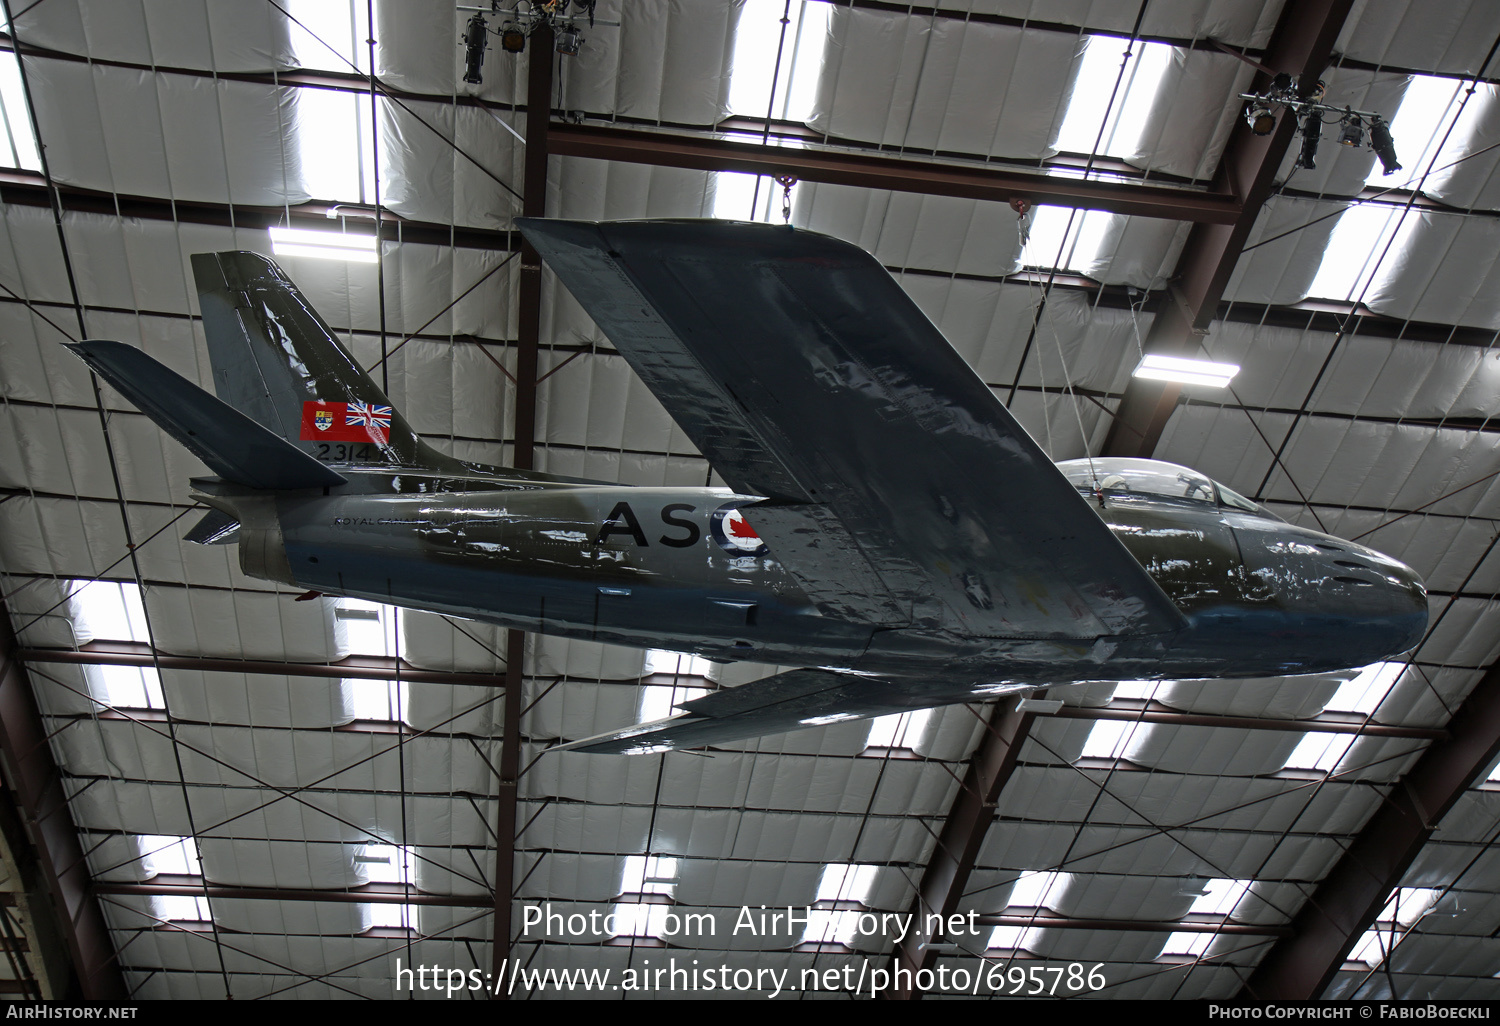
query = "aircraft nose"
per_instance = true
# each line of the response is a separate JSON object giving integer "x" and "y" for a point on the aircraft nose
{"x": 1401, "y": 592}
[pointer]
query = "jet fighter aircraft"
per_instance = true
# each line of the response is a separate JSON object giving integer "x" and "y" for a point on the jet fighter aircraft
{"x": 888, "y": 528}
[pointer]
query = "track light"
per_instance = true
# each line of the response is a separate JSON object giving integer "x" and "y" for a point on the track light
{"x": 512, "y": 39}
{"x": 1312, "y": 133}
{"x": 476, "y": 41}
{"x": 1384, "y": 146}
{"x": 1262, "y": 119}
{"x": 568, "y": 40}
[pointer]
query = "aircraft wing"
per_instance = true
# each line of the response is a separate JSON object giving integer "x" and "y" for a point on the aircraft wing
{"x": 899, "y": 491}
{"x": 787, "y": 701}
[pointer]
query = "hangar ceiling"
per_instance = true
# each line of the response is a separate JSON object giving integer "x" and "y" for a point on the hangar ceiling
{"x": 229, "y": 792}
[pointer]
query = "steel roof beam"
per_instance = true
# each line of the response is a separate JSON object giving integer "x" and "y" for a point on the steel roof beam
{"x": 1346, "y": 903}
{"x": 22, "y": 188}
{"x": 932, "y": 178}
{"x": 369, "y": 894}
{"x": 136, "y": 653}
{"x": 34, "y": 778}
{"x": 1302, "y": 45}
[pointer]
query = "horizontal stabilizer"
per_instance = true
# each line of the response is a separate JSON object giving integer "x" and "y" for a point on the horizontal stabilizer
{"x": 787, "y": 701}
{"x": 216, "y": 528}
{"x": 230, "y": 443}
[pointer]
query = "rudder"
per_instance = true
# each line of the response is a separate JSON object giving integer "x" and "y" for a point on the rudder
{"x": 276, "y": 360}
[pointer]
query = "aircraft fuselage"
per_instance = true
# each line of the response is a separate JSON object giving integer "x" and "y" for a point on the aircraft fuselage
{"x": 681, "y": 568}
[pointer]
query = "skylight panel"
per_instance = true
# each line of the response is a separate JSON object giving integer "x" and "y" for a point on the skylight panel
{"x": 109, "y": 610}
{"x": 369, "y": 628}
{"x": 1143, "y": 689}
{"x": 331, "y": 35}
{"x": 1033, "y": 890}
{"x": 681, "y": 664}
{"x": 1109, "y": 739}
{"x": 1366, "y": 691}
{"x": 644, "y": 875}
{"x": 384, "y": 863}
{"x": 176, "y": 856}
{"x": 390, "y": 915}
{"x": 638, "y": 919}
{"x": 1012, "y": 938}
{"x": 1220, "y": 897}
{"x": 126, "y": 687}
{"x": 1402, "y": 910}
{"x": 845, "y": 882}
{"x": 1089, "y": 109}
{"x": 336, "y": 145}
{"x": 1428, "y": 107}
{"x": 18, "y": 148}
{"x": 181, "y": 908}
{"x": 1356, "y": 249}
{"x": 1423, "y": 138}
{"x": 1064, "y": 239}
{"x": 899, "y": 730}
{"x": 384, "y": 701}
{"x": 839, "y": 882}
{"x": 756, "y": 42}
{"x": 1320, "y": 751}
{"x": 654, "y": 874}
{"x": 1191, "y": 943}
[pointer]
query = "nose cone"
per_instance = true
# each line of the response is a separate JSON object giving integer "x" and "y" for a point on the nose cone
{"x": 1342, "y": 604}
{"x": 1398, "y": 592}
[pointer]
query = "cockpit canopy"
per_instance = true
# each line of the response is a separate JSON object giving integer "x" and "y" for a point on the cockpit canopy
{"x": 1126, "y": 478}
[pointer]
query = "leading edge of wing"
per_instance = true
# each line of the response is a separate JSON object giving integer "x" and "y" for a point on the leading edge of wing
{"x": 899, "y": 489}
{"x": 793, "y": 700}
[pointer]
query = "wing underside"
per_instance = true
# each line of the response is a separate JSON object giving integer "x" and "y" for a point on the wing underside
{"x": 792, "y": 700}
{"x": 899, "y": 491}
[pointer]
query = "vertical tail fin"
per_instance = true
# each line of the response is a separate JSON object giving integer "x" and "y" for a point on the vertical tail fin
{"x": 277, "y": 361}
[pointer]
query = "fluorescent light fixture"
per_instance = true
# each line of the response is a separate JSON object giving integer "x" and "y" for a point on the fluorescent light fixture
{"x": 328, "y": 245}
{"x": 1187, "y": 372}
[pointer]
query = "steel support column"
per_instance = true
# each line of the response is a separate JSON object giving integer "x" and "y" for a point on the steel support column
{"x": 1301, "y": 45}
{"x": 34, "y": 778}
{"x": 1357, "y": 888}
{"x": 947, "y": 874}
{"x": 528, "y": 340}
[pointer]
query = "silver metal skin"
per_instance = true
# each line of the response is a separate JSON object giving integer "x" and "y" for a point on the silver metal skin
{"x": 889, "y": 528}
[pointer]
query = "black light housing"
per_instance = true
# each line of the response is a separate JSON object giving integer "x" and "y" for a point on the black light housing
{"x": 1312, "y": 132}
{"x": 512, "y": 39}
{"x": 1384, "y": 146}
{"x": 476, "y": 41}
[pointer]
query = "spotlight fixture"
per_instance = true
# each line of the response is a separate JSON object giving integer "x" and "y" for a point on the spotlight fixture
{"x": 476, "y": 41}
{"x": 1185, "y": 371}
{"x": 564, "y": 17}
{"x": 1384, "y": 146}
{"x": 1312, "y": 134}
{"x": 1262, "y": 119}
{"x": 1351, "y": 131}
{"x": 1262, "y": 109}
